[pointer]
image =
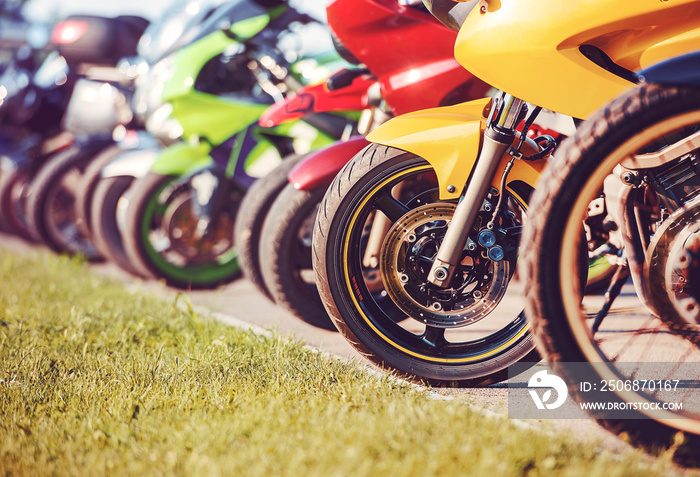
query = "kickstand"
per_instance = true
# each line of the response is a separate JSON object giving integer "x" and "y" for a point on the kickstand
{"x": 613, "y": 291}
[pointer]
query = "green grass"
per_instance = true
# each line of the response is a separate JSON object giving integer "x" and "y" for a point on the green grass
{"x": 96, "y": 380}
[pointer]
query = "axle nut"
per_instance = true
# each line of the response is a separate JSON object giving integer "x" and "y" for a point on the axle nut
{"x": 441, "y": 273}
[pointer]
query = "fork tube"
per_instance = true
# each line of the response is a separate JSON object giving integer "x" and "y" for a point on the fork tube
{"x": 497, "y": 137}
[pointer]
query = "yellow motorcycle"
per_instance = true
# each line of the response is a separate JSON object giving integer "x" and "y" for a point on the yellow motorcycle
{"x": 416, "y": 242}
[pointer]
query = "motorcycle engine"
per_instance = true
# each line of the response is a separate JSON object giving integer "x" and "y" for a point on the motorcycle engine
{"x": 672, "y": 264}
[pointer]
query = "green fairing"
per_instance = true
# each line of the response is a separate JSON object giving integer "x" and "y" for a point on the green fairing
{"x": 200, "y": 114}
{"x": 319, "y": 140}
{"x": 214, "y": 117}
{"x": 189, "y": 60}
{"x": 182, "y": 157}
{"x": 247, "y": 29}
{"x": 187, "y": 63}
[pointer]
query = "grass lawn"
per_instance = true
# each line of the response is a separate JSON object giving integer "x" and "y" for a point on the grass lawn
{"x": 95, "y": 380}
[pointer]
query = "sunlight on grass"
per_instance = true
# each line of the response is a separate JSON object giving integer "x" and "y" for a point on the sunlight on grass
{"x": 96, "y": 380}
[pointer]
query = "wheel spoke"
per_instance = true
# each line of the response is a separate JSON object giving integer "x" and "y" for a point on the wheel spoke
{"x": 391, "y": 207}
{"x": 434, "y": 336}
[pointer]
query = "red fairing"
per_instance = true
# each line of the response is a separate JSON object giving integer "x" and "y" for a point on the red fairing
{"x": 317, "y": 99}
{"x": 319, "y": 169}
{"x": 409, "y": 51}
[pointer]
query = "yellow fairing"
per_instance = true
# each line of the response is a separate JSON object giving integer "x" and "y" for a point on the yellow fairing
{"x": 530, "y": 49}
{"x": 449, "y": 138}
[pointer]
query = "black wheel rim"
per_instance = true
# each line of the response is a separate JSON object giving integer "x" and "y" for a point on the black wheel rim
{"x": 376, "y": 313}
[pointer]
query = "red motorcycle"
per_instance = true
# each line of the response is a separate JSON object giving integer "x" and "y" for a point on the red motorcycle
{"x": 405, "y": 62}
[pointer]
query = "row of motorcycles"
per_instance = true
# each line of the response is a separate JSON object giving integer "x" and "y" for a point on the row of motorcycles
{"x": 384, "y": 175}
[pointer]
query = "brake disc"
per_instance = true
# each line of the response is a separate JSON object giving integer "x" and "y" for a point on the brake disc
{"x": 671, "y": 266}
{"x": 407, "y": 255}
{"x": 180, "y": 222}
{"x": 682, "y": 270}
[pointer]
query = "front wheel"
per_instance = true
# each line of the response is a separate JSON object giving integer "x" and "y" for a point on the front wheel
{"x": 51, "y": 204}
{"x": 253, "y": 214}
{"x": 109, "y": 198}
{"x": 86, "y": 187}
{"x": 14, "y": 187}
{"x": 628, "y": 155}
{"x": 163, "y": 234}
{"x": 285, "y": 252}
{"x": 376, "y": 236}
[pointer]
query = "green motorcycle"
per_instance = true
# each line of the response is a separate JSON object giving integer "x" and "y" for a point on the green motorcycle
{"x": 178, "y": 225}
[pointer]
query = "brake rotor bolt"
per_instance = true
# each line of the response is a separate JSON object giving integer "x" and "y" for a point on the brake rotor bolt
{"x": 437, "y": 306}
{"x": 411, "y": 238}
{"x": 477, "y": 294}
{"x": 404, "y": 278}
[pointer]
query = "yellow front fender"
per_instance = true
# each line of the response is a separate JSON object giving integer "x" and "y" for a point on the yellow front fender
{"x": 449, "y": 138}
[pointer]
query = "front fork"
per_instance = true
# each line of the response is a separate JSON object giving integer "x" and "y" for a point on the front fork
{"x": 211, "y": 188}
{"x": 498, "y": 136}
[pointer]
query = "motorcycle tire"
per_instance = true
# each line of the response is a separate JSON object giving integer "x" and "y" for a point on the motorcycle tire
{"x": 644, "y": 117}
{"x": 285, "y": 255}
{"x": 86, "y": 189}
{"x": 173, "y": 254}
{"x": 362, "y": 308}
{"x": 106, "y": 229}
{"x": 51, "y": 203}
{"x": 252, "y": 215}
{"x": 14, "y": 187}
